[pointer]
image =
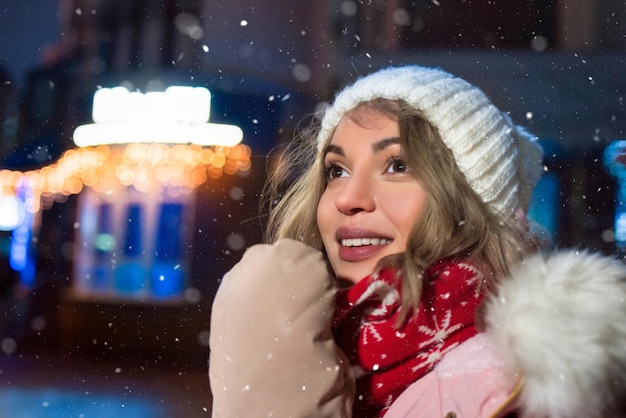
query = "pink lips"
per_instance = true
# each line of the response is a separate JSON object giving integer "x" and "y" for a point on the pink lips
{"x": 360, "y": 253}
{"x": 354, "y": 254}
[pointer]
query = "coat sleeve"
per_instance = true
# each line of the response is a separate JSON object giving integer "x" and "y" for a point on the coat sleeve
{"x": 271, "y": 346}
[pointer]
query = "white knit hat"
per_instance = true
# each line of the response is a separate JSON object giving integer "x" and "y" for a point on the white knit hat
{"x": 501, "y": 161}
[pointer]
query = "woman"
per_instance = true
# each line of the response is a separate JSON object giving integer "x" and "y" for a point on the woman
{"x": 416, "y": 201}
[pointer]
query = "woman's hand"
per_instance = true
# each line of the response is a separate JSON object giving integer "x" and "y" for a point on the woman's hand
{"x": 272, "y": 351}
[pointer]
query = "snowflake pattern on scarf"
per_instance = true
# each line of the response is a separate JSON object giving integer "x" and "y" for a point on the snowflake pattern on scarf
{"x": 387, "y": 359}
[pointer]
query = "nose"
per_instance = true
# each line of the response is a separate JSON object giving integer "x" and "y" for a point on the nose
{"x": 356, "y": 195}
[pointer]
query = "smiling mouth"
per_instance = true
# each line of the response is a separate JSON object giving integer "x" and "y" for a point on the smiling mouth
{"x": 361, "y": 242}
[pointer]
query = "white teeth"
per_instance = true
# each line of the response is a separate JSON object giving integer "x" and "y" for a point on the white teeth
{"x": 359, "y": 242}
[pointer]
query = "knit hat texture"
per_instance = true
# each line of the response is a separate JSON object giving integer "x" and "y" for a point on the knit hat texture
{"x": 501, "y": 161}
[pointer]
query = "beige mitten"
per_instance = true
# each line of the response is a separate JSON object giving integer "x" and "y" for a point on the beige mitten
{"x": 272, "y": 350}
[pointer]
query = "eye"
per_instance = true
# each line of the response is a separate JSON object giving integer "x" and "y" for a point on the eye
{"x": 334, "y": 171}
{"x": 397, "y": 165}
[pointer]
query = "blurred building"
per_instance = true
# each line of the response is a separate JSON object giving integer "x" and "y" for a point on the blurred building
{"x": 554, "y": 65}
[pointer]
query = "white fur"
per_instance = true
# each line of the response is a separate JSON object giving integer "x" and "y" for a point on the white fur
{"x": 560, "y": 322}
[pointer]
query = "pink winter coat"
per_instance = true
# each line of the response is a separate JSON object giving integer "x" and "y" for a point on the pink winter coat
{"x": 554, "y": 345}
{"x": 468, "y": 382}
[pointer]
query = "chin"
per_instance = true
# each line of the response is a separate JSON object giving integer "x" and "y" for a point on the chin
{"x": 354, "y": 274}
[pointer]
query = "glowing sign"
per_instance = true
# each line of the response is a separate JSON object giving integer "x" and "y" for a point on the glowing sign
{"x": 615, "y": 162}
{"x": 12, "y": 212}
{"x": 177, "y": 115}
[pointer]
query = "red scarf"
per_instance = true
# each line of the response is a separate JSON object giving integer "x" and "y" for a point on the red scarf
{"x": 386, "y": 360}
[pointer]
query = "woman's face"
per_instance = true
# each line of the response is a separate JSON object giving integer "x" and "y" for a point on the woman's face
{"x": 371, "y": 200}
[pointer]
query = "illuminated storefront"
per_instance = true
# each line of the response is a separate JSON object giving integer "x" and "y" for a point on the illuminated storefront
{"x": 136, "y": 171}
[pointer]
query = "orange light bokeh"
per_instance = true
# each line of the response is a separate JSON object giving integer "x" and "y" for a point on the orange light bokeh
{"x": 143, "y": 166}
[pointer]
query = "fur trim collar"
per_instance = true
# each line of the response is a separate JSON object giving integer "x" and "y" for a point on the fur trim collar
{"x": 560, "y": 324}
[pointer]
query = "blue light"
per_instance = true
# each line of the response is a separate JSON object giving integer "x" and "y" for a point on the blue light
{"x": 620, "y": 228}
{"x": 20, "y": 240}
{"x": 21, "y": 257}
{"x": 130, "y": 275}
{"x": 104, "y": 244}
{"x": 58, "y": 403}
{"x": 100, "y": 276}
{"x": 166, "y": 277}
{"x": 132, "y": 244}
{"x": 104, "y": 239}
{"x": 615, "y": 162}
{"x": 544, "y": 208}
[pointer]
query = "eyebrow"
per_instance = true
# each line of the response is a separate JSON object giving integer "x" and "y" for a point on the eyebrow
{"x": 384, "y": 143}
{"x": 376, "y": 146}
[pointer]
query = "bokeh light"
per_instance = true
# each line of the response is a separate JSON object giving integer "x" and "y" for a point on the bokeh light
{"x": 145, "y": 166}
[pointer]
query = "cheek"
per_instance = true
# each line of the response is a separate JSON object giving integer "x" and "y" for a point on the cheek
{"x": 406, "y": 211}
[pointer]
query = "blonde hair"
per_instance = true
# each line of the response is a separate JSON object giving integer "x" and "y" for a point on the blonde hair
{"x": 455, "y": 221}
